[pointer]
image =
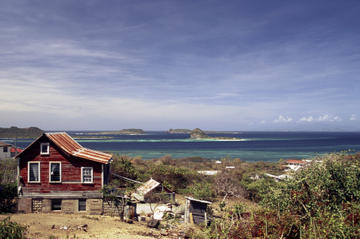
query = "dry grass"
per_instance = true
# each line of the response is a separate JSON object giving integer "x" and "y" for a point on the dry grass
{"x": 51, "y": 225}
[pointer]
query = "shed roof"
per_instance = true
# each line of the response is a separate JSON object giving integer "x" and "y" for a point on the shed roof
{"x": 3, "y": 144}
{"x": 147, "y": 187}
{"x": 198, "y": 200}
{"x": 295, "y": 161}
{"x": 70, "y": 146}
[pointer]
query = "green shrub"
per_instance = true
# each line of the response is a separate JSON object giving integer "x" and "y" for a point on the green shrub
{"x": 202, "y": 191}
{"x": 174, "y": 178}
{"x": 11, "y": 230}
{"x": 8, "y": 193}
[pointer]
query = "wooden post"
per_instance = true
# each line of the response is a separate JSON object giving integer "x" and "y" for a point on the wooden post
{"x": 187, "y": 208}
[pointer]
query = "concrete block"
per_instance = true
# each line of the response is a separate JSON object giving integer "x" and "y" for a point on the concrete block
{"x": 69, "y": 206}
{"x": 25, "y": 205}
{"x": 94, "y": 206}
{"x": 46, "y": 205}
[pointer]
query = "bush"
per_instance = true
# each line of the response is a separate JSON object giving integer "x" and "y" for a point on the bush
{"x": 319, "y": 201}
{"x": 7, "y": 171}
{"x": 11, "y": 230}
{"x": 8, "y": 193}
{"x": 174, "y": 178}
{"x": 325, "y": 195}
{"x": 202, "y": 191}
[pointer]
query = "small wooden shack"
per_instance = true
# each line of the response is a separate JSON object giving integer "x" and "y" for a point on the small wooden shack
{"x": 153, "y": 191}
{"x": 196, "y": 211}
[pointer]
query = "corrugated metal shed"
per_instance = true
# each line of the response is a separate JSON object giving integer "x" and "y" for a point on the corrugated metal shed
{"x": 196, "y": 211}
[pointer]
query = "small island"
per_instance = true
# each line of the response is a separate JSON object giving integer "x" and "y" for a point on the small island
{"x": 121, "y": 132}
{"x": 15, "y": 132}
{"x": 198, "y": 134}
{"x": 179, "y": 131}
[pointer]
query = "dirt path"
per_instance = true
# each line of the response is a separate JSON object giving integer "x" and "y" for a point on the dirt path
{"x": 57, "y": 225}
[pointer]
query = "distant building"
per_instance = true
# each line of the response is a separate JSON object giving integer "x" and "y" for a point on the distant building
{"x": 278, "y": 178}
{"x": 8, "y": 150}
{"x": 295, "y": 164}
{"x": 55, "y": 173}
{"x": 208, "y": 172}
{"x": 5, "y": 149}
{"x": 15, "y": 151}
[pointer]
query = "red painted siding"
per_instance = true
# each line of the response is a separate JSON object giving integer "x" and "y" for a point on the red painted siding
{"x": 70, "y": 170}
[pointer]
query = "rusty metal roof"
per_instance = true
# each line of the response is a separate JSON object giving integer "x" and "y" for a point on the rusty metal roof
{"x": 295, "y": 161}
{"x": 70, "y": 146}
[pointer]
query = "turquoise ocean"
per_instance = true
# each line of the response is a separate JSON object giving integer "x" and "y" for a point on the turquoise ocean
{"x": 248, "y": 146}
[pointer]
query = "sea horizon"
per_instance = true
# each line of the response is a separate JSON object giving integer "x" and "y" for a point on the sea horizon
{"x": 252, "y": 145}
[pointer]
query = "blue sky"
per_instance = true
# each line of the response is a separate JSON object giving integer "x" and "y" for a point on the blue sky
{"x": 222, "y": 65}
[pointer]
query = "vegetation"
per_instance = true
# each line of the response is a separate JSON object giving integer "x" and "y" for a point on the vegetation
{"x": 15, "y": 132}
{"x": 322, "y": 200}
{"x": 8, "y": 188}
{"x": 11, "y": 230}
{"x": 319, "y": 201}
{"x": 181, "y": 176}
{"x": 199, "y": 134}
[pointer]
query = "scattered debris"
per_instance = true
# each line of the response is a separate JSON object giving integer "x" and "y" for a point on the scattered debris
{"x": 84, "y": 228}
{"x": 153, "y": 223}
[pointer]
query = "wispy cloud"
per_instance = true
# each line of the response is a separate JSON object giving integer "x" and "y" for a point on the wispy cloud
{"x": 353, "y": 117}
{"x": 224, "y": 66}
{"x": 283, "y": 119}
{"x": 321, "y": 118}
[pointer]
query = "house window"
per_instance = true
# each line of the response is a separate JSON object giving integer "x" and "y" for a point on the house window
{"x": 44, "y": 148}
{"x": 5, "y": 149}
{"x": 82, "y": 205}
{"x": 34, "y": 172}
{"x": 55, "y": 172}
{"x": 56, "y": 204}
{"x": 87, "y": 175}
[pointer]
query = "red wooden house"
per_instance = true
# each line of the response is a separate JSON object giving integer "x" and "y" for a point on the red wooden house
{"x": 57, "y": 174}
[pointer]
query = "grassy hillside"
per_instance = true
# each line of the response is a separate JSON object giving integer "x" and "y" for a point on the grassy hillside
{"x": 12, "y": 132}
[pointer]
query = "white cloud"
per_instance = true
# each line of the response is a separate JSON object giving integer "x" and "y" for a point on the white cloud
{"x": 285, "y": 119}
{"x": 307, "y": 119}
{"x": 328, "y": 118}
{"x": 321, "y": 118}
{"x": 353, "y": 117}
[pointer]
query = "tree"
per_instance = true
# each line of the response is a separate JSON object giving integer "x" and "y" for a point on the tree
{"x": 227, "y": 185}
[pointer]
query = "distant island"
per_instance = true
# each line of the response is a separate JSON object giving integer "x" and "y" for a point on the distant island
{"x": 179, "y": 131}
{"x": 201, "y": 135}
{"x": 121, "y": 132}
{"x": 15, "y": 132}
{"x": 188, "y": 131}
